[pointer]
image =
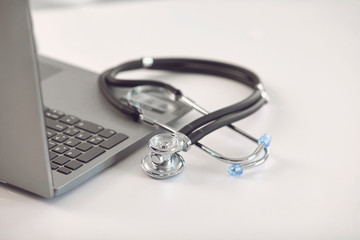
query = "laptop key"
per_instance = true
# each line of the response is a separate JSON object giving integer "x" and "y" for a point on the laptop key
{"x": 72, "y": 142}
{"x": 50, "y": 133}
{"x": 69, "y": 119}
{"x": 73, "y": 165}
{"x": 54, "y": 166}
{"x": 55, "y": 125}
{"x": 84, "y": 147}
{"x": 60, "y": 113}
{"x": 61, "y": 160}
{"x": 89, "y": 126}
{"x": 73, "y": 153}
{"x": 56, "y": 112}
{"x": 107, "y": 133}
{"x": 114, "y": 140}
{"x": 71, "y": 131}
{"x": 91, "y": 154}
{"x": 95, "y": 140}
{"x": 83, "y": 136}
{"x": 64, "y": 170}
{"x": 52, "y": 155}
{"x": 51, "y": 144}
{"x": 61, "y": 149}
{"x": 60, "y": 138}
{"x": 52, "y": 115}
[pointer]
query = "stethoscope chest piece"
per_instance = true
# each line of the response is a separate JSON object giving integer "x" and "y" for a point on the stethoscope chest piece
{"x": 163, "y": 169}
{"x": 164, "y": 160}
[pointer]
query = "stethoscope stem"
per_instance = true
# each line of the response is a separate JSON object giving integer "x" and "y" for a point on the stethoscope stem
{"x": 154, "y": 122}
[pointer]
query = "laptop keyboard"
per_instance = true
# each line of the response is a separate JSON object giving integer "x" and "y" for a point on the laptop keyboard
{"x": 74, "y": 142}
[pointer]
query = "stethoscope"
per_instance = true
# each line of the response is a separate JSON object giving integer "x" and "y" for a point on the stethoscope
{"x": 164, "y": 160}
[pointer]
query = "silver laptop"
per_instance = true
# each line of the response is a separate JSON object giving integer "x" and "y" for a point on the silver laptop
{"x": 57, "y": 132}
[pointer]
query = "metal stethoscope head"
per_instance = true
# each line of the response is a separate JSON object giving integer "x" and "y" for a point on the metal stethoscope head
{"x": 164, "y": 159}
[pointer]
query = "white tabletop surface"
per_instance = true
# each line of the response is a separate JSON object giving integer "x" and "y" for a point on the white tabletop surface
{"x": 307, "y": 54}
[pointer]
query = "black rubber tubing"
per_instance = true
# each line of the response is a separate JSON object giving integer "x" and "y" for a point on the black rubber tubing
{"x": 197, "y": 123}
{"x": 183, "y": 65}
{"x": 224, "y": 121}
{"x": 239, "y": 74}
{"x": 124, "y": 108}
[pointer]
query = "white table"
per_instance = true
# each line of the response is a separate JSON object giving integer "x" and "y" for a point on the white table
{"x": 307, "y": 55}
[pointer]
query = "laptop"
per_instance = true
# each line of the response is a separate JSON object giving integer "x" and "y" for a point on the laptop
{"x": 56, "y": 129}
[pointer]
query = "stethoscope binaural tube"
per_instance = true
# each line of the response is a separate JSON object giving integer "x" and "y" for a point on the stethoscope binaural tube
{"x": 108, "y": 79}
{"x": 199, "y": 128}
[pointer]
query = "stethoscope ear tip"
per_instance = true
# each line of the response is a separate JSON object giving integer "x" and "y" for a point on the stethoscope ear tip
{"x": 265, "y": 139}
{"x": 235, "y": 169}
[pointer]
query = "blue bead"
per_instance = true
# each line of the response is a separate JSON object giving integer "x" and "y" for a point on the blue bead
{"x": 265, "y": 139}
{"x": 235, "y": 169}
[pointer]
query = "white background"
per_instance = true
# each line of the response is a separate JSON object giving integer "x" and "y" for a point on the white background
{"x": 306, "y": 53}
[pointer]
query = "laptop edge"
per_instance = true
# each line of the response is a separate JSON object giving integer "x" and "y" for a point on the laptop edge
{"x": 23, "y": 149}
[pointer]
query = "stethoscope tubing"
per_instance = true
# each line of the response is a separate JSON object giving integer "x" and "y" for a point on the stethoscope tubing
{"x": 237, "y": 107}
{"x": 204, "y": 125}
{"x": 224, "y": 121}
